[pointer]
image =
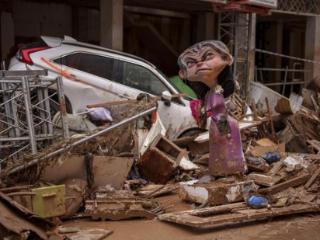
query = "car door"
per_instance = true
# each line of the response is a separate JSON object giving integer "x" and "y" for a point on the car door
{"x": 92, "y": 78}
{"x": 100, "y": 78}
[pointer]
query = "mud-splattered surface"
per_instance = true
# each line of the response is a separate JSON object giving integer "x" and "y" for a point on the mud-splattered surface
{"x": 306, "y": 227}
{"x": 298, "y": 228}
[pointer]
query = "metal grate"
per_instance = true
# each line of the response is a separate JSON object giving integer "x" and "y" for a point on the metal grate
{"x": 234, "y": 32}
{"x": 300, "y": 6}
{"x": 27, "y": 111}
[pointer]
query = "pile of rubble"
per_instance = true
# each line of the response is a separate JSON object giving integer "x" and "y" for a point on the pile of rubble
{"x": 106, "y": 175}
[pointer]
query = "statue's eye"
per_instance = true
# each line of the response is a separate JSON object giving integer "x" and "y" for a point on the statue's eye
{"x": 190, "y": 63}
{"x": 209, "y": 56}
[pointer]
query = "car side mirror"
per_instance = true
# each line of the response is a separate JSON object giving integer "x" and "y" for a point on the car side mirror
{"x": 166, "y": 97}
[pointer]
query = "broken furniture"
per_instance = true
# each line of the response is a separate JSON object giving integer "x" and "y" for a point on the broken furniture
{"x": 160, "y": 160}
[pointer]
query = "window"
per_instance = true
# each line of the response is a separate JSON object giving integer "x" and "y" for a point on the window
{"x": 141, "y": 78}
{"x": 94, "y": 64}
{"x": 126, "y": 73}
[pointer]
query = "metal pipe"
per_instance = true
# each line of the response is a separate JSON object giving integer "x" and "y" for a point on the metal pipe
{"x": 85, "y": 139}
{"x": 282, "y": 70}
{"x": 281, "y": 83}
{"x": 28, "y": 108}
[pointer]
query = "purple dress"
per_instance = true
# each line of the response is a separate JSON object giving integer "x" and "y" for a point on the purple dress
{"x": 226, "y": 155}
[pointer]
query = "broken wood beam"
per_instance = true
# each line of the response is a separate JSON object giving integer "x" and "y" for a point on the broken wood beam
{"x": 312, "y": 179}
{"x": 264, "y": 180}
{"x": 112, "y": 103}
{"x": 204, "y": 219}
{"x": 274, "y": 137}
{"x": 294, "y": 182}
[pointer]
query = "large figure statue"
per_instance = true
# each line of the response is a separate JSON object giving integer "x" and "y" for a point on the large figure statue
{"x": 206, "y": 67}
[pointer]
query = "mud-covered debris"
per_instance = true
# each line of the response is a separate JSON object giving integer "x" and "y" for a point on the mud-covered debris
{"x": 17, "y": 219}
{"x": 118, "y": 205}
{"x": 110, "y": 170}
{"x": 167, "y": 157}
{"x": 76, "y": 192}
{"x": 231, "y": 215}
{"x": 156, "y": 190}
{"x": 66, "y": 167}
{"x": 88, "y": 234}
{"x": 216, "y": 193}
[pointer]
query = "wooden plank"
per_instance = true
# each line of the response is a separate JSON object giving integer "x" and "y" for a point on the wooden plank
{"x": 264, "y": 180}
{"x": 312, "y": 179}
{"x": 205, "y": 220}
{"x": 226, "y": 208}
{"x": 294, "y": 182}
{"x": 266, "y": 142}
{"x": 274, "y": 136}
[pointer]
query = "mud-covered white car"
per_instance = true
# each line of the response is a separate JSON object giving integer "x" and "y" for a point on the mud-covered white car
{"x": 93, "y": 74}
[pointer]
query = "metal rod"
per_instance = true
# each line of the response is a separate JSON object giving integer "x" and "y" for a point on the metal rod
{"x": 282, "y": 83}
{"x": 282, "y": 70}
{"x": 28, "y": 109}
{"x": 47, "y": 108}
{"x": 38, "y": 138}
{"x": 22, "y": 73}
{"x": 85, "y": 139}
{"x": 287, "y": 56}
{"x": 285, "y": 81}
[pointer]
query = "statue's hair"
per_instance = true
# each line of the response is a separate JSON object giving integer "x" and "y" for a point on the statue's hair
{"x": 216, "y": 45}
{"x": 225, "y": 78}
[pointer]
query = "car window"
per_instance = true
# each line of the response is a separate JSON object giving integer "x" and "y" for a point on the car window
{"x": 141, "y": 78}
{"x": 94, "y": 64}
{"x": 126, "y": 73}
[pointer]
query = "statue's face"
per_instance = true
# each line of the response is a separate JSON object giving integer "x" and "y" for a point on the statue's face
{"x": 202, "y": 65}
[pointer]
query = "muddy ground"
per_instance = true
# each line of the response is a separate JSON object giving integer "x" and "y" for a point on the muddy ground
{"x": 303, "y": 227}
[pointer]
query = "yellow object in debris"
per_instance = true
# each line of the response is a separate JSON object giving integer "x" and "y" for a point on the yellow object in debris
{"x": 49, "y": 201}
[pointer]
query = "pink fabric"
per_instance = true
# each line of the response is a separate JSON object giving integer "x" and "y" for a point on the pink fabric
{"x": 226, "y": 155}
{"x": 195, "y": 106}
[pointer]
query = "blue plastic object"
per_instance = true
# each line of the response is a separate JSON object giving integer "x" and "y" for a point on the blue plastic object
{"x": 271, "y": 157}
{"x": 256, "y": 201}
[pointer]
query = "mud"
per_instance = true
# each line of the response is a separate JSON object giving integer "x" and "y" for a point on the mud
{"x": 305, "y": 227}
